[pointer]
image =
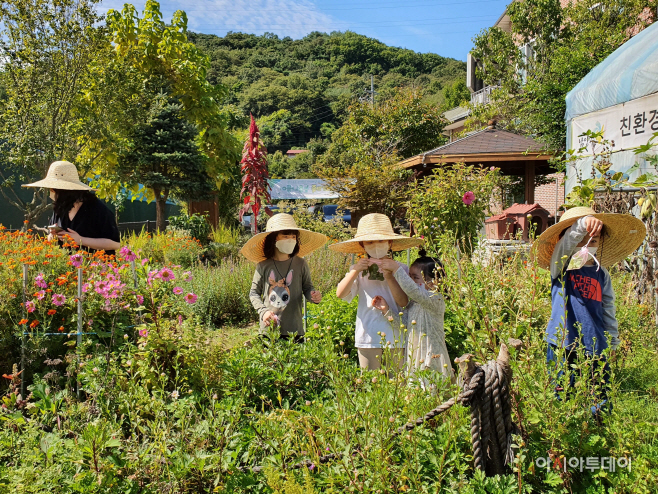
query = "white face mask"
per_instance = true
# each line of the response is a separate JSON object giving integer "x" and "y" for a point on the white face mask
{"x": 378, "y": 250}
{"x": 592, "y": 250}
{"x": 287, "y": 245}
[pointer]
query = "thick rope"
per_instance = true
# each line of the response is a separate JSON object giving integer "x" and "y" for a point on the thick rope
{"x": 486, "y": 392}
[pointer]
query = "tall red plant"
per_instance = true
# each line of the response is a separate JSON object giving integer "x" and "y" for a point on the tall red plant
{"x": 255, "y": 188}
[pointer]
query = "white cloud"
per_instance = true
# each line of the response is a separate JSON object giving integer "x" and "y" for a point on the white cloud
{"x": 294, "y": 18}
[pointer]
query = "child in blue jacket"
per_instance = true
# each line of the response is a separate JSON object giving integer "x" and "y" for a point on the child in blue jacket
{"x": 577, "y": 251}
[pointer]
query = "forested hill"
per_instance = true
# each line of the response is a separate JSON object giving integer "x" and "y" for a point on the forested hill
{"x": 300, "y": 89}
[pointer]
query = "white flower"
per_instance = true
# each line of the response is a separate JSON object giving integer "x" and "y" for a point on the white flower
{"x": 308, "y": 403}
{"x": 374, "y": 380}
{"x": 174, "y": 394}
{"x": 413, "y": 321}
{"x": 214, "y": 397}
{"x": 95, "y": 369}
{"x": 125, "y": 336}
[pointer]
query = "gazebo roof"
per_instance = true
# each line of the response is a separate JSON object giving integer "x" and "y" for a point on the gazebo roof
{"x": 508, "y": 151}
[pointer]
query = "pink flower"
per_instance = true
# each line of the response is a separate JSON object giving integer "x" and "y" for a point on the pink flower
{"x": 76, "y": 260}
{"x": 38, "y": 281}
{"x": 190, "y": 298}
{"x": 41, "y": 294}
{"x": 187, "y": 276}
{"x": 166, "y": 274}
{"x": 468, "y": 198}
{"x": 127, "y": 254}
{"x": 178, "y": 290}
{"x": 59, "y": 299}
{"x": 180, "y": 320}
{"x": 140, "y": 300}
{"x": 144, "y": 261}
{"x": 143, "y": 333}
{"x": 30, "y": 306}
{"x": 85, "y": 287}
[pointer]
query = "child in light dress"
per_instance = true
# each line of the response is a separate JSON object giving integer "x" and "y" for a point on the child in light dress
{"x": 425, "y": 342}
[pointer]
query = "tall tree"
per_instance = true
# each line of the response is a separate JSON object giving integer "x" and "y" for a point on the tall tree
{"x": 47, "y": 48}
{"x": 165, "y": 158}
{"x": 161, "y": 56}
{"x": 565, "y": 44}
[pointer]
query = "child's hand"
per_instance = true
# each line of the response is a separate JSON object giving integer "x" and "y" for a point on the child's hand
{"x": 380, "y": 303}
{"x": 361, "y": 265}
{"x": 316, "y": 297}
{"x": 270, "y": 318}
{"x": 386, "y": 266}
{"x": 593, "y": 225}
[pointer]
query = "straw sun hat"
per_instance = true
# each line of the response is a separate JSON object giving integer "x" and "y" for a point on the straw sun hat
{"x": 623, "y": 235}
{"x": 375, "y": 227}
{"x": 61, "y": 175}
{"x": 308, "y": 240}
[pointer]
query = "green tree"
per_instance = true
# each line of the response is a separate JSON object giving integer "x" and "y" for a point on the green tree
{"x": 456, "y": 94}
{"x": 566, "y": 43}
{"x": 164, "y": 157}
{"x": 161, "y": 55}
{"x": 47, "y": 49}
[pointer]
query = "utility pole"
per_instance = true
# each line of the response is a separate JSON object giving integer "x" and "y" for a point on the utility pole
{"x": 372, "y": 91}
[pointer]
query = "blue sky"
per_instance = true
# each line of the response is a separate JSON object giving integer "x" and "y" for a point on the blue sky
{"x": 445, "y": 27}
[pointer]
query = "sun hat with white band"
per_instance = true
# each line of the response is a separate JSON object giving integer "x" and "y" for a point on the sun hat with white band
{"x": 623, "y": 234}
{"x": 61, "y": 175}
{"x": 308, "y": 240}
{"x": 375, "y": 227}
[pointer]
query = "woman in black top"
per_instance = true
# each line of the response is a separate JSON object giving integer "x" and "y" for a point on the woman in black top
{"x": 77, "y": 211}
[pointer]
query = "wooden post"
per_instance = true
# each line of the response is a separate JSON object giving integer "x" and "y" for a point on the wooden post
{"x": 529, "y": 182}
{"x": 25, "y": 268}
{"x": 79, "y": 338}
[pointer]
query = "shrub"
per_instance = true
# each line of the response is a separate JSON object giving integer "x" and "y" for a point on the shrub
{"x": 224, "y": 292}
{"x": 194, "y": 225}
{"x": 335, "y": 320}
{"x": 172, "y": 247}
{"x": 454, "y": 201}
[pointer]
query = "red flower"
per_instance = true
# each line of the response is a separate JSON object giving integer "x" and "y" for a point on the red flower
{"x": 22, "y": 321}
{"x": 52, "y": 312}
{"x": 34, "y": 324}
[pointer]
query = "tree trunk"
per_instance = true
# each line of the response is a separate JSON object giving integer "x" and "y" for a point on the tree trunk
{"x": 160, "y": 214}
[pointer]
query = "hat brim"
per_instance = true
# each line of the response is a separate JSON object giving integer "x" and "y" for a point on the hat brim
{"x": 308, "y": 242}
{"x": 353, "y": 246}
{"x": 624, "y": 233}
{"x": 53, "y": 183}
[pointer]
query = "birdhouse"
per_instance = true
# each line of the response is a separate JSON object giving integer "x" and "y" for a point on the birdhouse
{"x": 523, "y": 217}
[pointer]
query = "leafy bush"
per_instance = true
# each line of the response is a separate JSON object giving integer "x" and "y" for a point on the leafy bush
{"x": 194, "y": 225}
{"x": 175, "y": 247}
{"x": 224, "y": 292}
{"x": 335, "y": 320}
{"x": 452, "y": 201}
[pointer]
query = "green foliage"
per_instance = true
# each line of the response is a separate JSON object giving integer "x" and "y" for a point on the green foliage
{"x": 457, "y": 95}
{"x": 437, "y": 207}
{"x": 334, "y": 320}
{"x": 195, "y": 225}
{"x": 160, "y": 53}
{"x": 299, "y": 89}
{"x": 164, "y": 157}
{"x": 48, "y": 49}
{"x": 567, "y": 43}
{"x": 165, "y": 248}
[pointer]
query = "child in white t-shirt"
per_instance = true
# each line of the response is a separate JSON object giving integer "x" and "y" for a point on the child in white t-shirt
{"x": 373, "y": 332}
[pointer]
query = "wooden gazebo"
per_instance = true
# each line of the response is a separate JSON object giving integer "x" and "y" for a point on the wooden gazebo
{"x": 512, "y": 153}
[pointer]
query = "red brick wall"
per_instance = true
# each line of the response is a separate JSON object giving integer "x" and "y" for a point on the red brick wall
{"x": 545, "y": 194}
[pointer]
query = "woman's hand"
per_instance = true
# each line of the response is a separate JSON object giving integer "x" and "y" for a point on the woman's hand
{"x": 316, "y": 297}
{"x": 270, "y": 317}
{"x": 380, "y": 303}
{"x": 386, "y": 266}
{"x": 77, "y": 238}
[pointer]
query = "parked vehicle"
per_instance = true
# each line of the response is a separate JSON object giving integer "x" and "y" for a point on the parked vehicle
{"x": 330, "y": 212}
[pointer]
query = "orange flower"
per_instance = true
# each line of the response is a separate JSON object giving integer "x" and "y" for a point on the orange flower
{"x": 52, "y": 312}
{"x": 22, "y": 321}
{"x": 34, "y": 324}
{"x": 60, "y": 329}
